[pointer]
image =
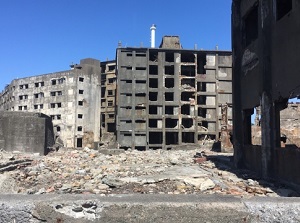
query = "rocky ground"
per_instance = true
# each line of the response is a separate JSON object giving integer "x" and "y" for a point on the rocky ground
{"x": 87, "y": 171}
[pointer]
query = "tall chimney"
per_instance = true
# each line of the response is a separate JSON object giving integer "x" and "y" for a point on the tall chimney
{"x": 153, "y": 28}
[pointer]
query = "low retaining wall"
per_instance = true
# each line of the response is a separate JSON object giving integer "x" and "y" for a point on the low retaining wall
{"x": 146, "y": 208}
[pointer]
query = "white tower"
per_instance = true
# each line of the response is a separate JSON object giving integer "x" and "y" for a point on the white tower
{"x": 153, "y": 28}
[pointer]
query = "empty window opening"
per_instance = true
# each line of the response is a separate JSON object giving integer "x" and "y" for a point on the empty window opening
{"x": 128, "y": 81}
{"x": 140, "y": 95}
{"x": 187, "y": 57}
{"x": 36, "y": 84}
{"x": 188, "y": 83}
{"x": 35, "y": 106}
{"x": 58, "y": 117}
{"x": 110, "y": 103}
{"x": 41, "y": 106}
{"x": 111, "y": 127}
{"x": 140, "y": 68}
{"x": 188, "y": 71}
{"x": 169, "y": 96}
{"x": 25, "y": 107}
{"x": 171, "y": 123}
{"x": 80, "y": 103}
{"x": 169, "y": 70}
{"x": 58, "y": 128}
{"x": 79, "y": 128}
{"x": 111, "y": 67}
{"x": 185, "y": 109}
{"x": 187, "y": 122}
{"x": 52, "y": 93}
{"x": 26, "y": 86}
{"x": 202, "y": 112}
{"x": 188, "y": 137}
{"x": 110, "y": 92}
{"x": 79, "y": 142}
{"x": 111, "y": 80}
{"x": 152, "y": 123}
{"x": 59, "y": 93}
{"x": 140, "y": 54}
{"x": 59, "y": 105}
{"x": 155, "y": 137}
{"x": 140, "y": 81}
{"x": 129, "y": 54}
{"x": 201, "y": 86}
{"x": 61, "y": 80}
{"x": 153, "y": 109}
{"x": 20, "y": 108}
{"x": 140, "y": 148}
{"x": 153, "y": 83}
{"x": 103, "y": 119}
{"x": 201, "y": 62}
{"x": 153, "y": 96}
{"x": 169, "y": 110}
{"x": 128, "y": 68}
{"x": 153, "y": 56}
{"x": 251, "y": 25}
{"x": 53, "y": 82}
{"x": 169, "y": 82}
{"x": 283, "y": 7}
{"x": 169, "y": 57}
{"x": 204, "y": 124}
{"x": 201, "y": 100}
{"x": 153, "y": 70}
{"x": 52, "y": 105}
{"x": 81, "y": 79}
{"x": 103, "y": 67}
{"x": 187, "y": 96}
{"x": 80, "y": 116}
{"x": 111, "y": 115}
{"x": 171, "y": 138}
{"x": 80, "y": 91}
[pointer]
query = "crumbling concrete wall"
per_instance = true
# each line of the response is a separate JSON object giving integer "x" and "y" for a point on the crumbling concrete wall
{"x": 26, "y": 132}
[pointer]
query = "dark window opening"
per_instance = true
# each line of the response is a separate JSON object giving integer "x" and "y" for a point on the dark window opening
{"x": 153, "y": 70}
{"x": 53, "y": 82}
{"x": 251, "y": 25}
{"x": 153, "y": 83}
{"x": 188, "y": 137}
{"x": 111, "y": 68}
{"x": 20, "y": 108}
{"x": 58, "y": 128}
{"x": 103, "y": 120}
{"x": 111, "y": 80}
{"x": 202, "y": 112}
{"x": 171, "y": 138}
{"x": 81, "y": 79}
{"x": 52, "y": 105}
{"x": 26, "y": 86}
{"x": 80, "y": 116}
{"x": 129, "y": 54}
{"x": 140, "y": 54}
{"x": 128, "y": 68}
{"x": 204, "y": 124}
{"x": 25, "y": 107}
{"x": 169, "y": 57}
{"x": 188, "y": 71}
{"x": 59, "y": 105}
{"x": 169, "y": 110}
{"x": 111, "y": 127}
{"x": 36, "y": 84}
{"x": 59, "y": 93}
{"x": 128, "y": 81}
{"x": 79, "y": 128}
{"x": 110, "y": 103}
{"x": 35, "y": 106}
{"x": 140, "y": 95}
{"x": 201, "y": 86}
{"x": 79, "y": 142}
{"x": 103, "y": 67}
{"x": 140, "y": 68}
{"x": 283, "y": 7}
{"x": 140, "y": 81}
{"x": 201, "y": 62}
{"x": 111, "y": 116}
{"x": 187, "y": 96}
{"x": 169, "y": 70}
{"x": 171, "y": 123}
{"x": 58, "y": 117}
{"x": 188, "y": 83}
{"x": 80, "y": 103}
{"x": 153, "y": 96}
{"x": 153, "y": 110}
{"x": 185, "y": 109}
{"x": 188, "y": 57}
{"x": 155, "y": 137}
{"x": 152, "y": 123}
{"x": 110, "y": 92}
{"x": 153, "y": 55}
{"x": 169, "y": 82}
{"x": 169, "y": 96}
{"x": 201, "y": 100}
{"x": 140, "y": 148}
{"x": 187, "y": 122}
{"x": 80, "y": 91}
{"x": 52, "y": 93}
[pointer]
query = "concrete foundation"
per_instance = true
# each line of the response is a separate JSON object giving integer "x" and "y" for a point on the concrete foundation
{"x": 146, "y": 208}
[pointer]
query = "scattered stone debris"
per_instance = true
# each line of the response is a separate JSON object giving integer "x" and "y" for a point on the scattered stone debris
{"x": 89, "y": 171}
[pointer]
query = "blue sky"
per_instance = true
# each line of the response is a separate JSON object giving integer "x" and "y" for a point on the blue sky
{"x": 39, "y": 37}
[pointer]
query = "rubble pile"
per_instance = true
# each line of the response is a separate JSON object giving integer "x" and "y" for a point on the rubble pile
{"x": 89, "y": 171}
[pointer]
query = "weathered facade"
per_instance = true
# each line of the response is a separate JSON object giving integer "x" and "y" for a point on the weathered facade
{"x": 169, "y": 96}
{"x": 108, "y": 98}
{"x": 266, "y": 54}
{"x": 26, "y": 132}
{"x": 71, "y": 98}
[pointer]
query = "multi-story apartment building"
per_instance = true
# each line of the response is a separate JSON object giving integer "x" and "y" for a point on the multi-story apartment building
{"x": 169, "y": 96}
{"x": 71, "y": 98}
{"x": 108, "y": 97}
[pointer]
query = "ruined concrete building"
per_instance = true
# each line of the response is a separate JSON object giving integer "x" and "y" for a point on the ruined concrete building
{"x": 108, "y": 98}
{"x": 266, "y": 69}
{"x": 71, "y": 98}
{"x": 169, "y": 96}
